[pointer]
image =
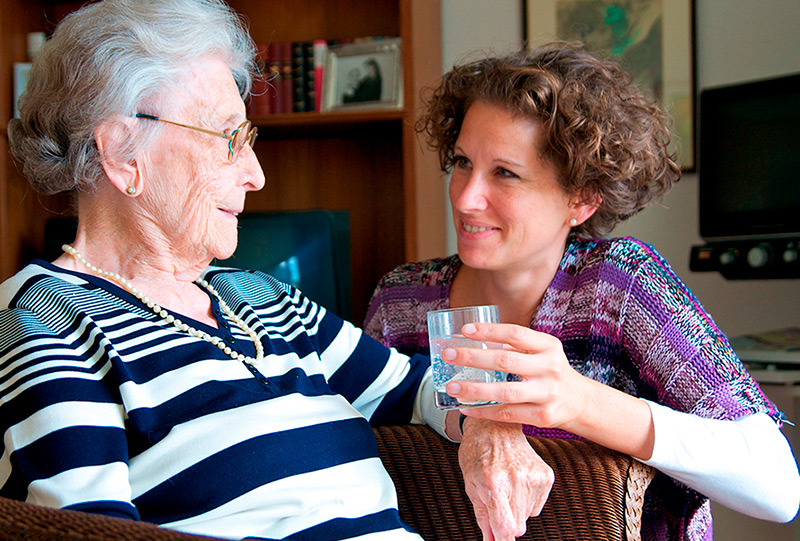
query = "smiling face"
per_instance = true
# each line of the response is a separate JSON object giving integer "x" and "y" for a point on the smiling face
{"x": 509, "y": 210}
{"x": 192, "y": 192}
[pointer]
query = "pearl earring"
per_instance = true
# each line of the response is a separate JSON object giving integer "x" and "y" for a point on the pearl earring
{"x": 573, "y": 222}
{"x": 131, "y": 190}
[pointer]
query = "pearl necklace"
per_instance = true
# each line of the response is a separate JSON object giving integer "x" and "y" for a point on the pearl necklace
{"x": 177, "y": 323}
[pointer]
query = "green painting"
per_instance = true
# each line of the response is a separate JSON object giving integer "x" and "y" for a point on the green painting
{"x": 651, "y": 38}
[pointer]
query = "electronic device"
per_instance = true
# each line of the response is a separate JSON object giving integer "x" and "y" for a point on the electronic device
{"x": 309, "y": 249}
{"x": 749, "y": 258}
{"x": 748, "y": 168}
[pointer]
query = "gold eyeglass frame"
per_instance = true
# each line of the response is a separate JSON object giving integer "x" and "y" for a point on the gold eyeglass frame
{"x": 234, "y": 147}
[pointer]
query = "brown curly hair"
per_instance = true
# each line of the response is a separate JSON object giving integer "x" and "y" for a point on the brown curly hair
{"x": 604, "y": 137}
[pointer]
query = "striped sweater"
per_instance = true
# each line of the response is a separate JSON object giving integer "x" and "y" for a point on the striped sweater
{"x": 624, "y": 319}
{"x": 106, "y": 408}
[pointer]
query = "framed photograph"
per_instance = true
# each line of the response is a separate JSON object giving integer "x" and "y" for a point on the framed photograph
{"x": 21, "y": 72}
{"x": 364, "y": 75}
{"x": 653, "y": 39}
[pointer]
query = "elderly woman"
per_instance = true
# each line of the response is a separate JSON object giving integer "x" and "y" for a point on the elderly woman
{"x": 138, "y": 381}
{"x": 548, "y": 150}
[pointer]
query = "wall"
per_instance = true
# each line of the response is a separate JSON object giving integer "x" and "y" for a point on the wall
{"x": 471, "y": 28}
{"x": 736, "y": 41}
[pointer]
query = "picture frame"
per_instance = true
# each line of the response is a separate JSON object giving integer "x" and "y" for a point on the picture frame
{"x": 363, "y": 75}
{"x": 652, "y": 39}
{"x": 21, "y": 72}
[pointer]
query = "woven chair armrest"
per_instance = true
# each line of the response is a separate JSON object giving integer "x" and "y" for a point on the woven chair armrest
{"x": 20, "y": 520}
{"x": 597, "y": 494}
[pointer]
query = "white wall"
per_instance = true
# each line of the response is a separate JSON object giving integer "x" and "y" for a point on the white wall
{"x": 736, "y": 41}
{"x": 471, "y": 28}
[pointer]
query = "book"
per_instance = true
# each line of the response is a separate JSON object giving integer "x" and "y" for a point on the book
{"x": 285, "y": 63}
{"x": 777, "y": 346}
{"x": 320, "y": 51}
{"x": 258, "y": 104}
{"x": 308, "y": 57}
{"x": 299, "y": 87}
{"x": 275, "y": 90}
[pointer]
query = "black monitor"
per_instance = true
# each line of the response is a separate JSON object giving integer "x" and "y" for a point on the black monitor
{"x": 748, "y": 170}
{"x": 749, "y": 159}
{"x": 309, "y": 249}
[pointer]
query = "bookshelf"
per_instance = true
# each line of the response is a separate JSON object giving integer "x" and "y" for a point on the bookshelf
{"x": 370, "y": 163}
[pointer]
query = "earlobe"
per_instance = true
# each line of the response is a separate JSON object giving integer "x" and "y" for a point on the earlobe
{"x": 110, "y": 137}
{"x": 583, "y": 207}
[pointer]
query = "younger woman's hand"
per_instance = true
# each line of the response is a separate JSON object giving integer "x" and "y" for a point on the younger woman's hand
{"x": 549, "y": 393}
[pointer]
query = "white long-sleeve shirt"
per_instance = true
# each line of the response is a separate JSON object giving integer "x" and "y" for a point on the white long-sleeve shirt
{"x": 746, "y": 464}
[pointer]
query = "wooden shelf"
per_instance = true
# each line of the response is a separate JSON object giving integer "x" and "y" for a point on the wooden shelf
{"x": 337, "y": 118}
{"x": 321, "y": 124}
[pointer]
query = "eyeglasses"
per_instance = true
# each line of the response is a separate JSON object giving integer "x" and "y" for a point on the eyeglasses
{"x": 245, "y": 134}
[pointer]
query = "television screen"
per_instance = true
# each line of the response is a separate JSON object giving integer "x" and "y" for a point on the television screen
{"x": 749, "y": 159}
{"x": 309, "y": 249}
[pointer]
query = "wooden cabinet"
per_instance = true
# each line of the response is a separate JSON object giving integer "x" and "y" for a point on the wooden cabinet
{"x": 370, "y": 163}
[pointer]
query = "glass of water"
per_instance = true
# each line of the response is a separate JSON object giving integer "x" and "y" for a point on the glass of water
{"x": 444, "y": 331}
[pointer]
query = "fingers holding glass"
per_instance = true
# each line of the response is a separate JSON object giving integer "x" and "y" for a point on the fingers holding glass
{"x": 445, "y": 333}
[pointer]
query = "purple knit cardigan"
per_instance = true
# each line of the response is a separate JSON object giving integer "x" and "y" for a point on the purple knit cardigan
{"x": 624, "y": 319}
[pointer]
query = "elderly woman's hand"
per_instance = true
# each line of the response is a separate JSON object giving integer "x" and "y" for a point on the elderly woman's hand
{"x": 505, "y": 479}
{"x": 550, "y": 393}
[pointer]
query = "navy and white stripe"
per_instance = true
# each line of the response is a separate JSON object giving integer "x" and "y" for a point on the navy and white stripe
{"x": 106, "y": 408}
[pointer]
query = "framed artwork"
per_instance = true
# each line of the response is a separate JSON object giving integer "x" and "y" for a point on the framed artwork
{"x": 364, "y": 75}
{"x": 653, "y": 39}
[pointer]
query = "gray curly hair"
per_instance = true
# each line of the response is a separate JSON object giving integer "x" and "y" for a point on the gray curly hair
{"x": 109, "y": 60}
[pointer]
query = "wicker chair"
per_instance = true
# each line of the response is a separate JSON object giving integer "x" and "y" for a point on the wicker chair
{"x": 597, "y": 495}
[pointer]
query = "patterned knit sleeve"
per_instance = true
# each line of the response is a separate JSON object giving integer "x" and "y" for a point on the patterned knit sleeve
{"x": 397, "y": 314}
{"x": 373, "y": 322}
{"x": 681, "y": 353}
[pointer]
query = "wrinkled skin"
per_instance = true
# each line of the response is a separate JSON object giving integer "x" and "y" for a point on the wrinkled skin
{"x": 505, "y": 479}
